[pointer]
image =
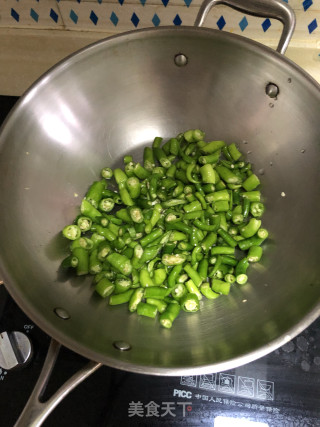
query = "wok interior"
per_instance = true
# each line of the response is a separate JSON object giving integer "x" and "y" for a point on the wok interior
{"x": 111, "y": 100}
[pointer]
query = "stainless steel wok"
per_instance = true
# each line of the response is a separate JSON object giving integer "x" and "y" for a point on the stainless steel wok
{"x": 112, "y": 98}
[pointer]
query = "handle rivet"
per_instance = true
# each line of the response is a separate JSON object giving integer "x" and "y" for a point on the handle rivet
{"x": 122, "y": 345}
{"x": 180, "y": 60}
{"x": 62, "y": 313}
{"x": 272, "y": 90}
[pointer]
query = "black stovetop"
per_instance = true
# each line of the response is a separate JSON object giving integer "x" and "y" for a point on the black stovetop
{"x": 280, "y": 389}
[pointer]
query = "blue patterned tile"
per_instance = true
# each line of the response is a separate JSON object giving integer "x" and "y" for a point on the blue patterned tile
{"x": 135, "y": 20}
{"x": 306, "y": 4}
{"x": 34, "y": 15}
{"x": 143, "y": 2}
{"x": 266, "y": 24}
{"x": 155, "y": 20}
{"x": 177, "y": 20}
{"x": 93, "y": 17}
{"x": 221, "y": 22}
{"x": 165, "y": 2}
{"x": 188, "y": 2}
{"x": 54, "y": 16}
{"x": 312, "y": 26}
{"x": 114, "y": 19}
{"x": 15, "y": 15}
{"x": 121, "y": 2}
{"x": 79, "y": 1}
{"x": 73, "y": 16}
{"x": 99, "y": 1}
{"x": 243, "y": 23}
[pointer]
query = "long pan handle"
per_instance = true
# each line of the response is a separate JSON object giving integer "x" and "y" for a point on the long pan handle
{"x": 35, "y": 411}
{"x": 276, "y": 9}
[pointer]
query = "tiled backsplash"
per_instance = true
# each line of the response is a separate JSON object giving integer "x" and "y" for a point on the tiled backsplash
{"x": 54, "y": 29}
{"x": 123, "y": 15}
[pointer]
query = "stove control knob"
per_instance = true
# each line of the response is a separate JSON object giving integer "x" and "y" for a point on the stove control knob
{"x": 15, "y": 350}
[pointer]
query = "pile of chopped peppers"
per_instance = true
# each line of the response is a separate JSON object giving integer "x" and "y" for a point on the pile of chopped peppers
{"x": 161, "y": 235}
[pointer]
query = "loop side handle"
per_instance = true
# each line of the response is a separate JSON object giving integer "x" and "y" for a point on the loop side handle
{"x": 276, "y": 9}
{"x": 35, "y": 412}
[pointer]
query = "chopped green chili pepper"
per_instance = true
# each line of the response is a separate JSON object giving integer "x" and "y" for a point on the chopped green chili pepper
{"x": 140, "y": 171}
{"x": 193, "y": 274}
{"x": 193, "y": 206}
{"x": 207, "y": 174}
{"x": 169, "y": 315}
{"x": 234, "y": 152}
{"x": 218, "y": 196}
{"x": 120, "y": 263}
{"x": 252, "y": 241}
{"x": 174, "y": 259}
{"x": 203, "y": 268}
{"x": 94, "y": 193}
{"x": 156, "y": 292}
{"x": 227, "y": 175}
{"x": 160, "y": 304}
{"x": 190, "y": 303}
{"x": 253, "y": 196}
{"x": 181, "y": 226}
{"x": 227, "y": 238}
{"x": 104, "y": 287}
{"x": 222, "y": 250}
{"x": 116, "y": 299}
{"x": 136, "y": 214}
{"x": 251, "y": 228}
{"x": 178, "y": 291}
{"x": 246, "y": 208}
{"x": 228, "y": 260}
{"x": 106, "y": 173}
{"x": 72, "y": 232}
{"x": 70, "y": 261}
{"x": 206, "y": 291}
{"x": 220, "y": 286}
{"x": 201, "y": 199}
{"x": 242, "y": 279}
{"x": 221, "y": 206}
{"x": 95, "y": 265}
{"x": 242, "y": 266}
{"x": 263, "y": 233}
{"x": 145, "y": 278}
{"x": 134, "y": 187}
{"x": 148, "y": 310}
{"x": 84, "y": 223}
{"x": 189, "y": 174}
{"x": 210, "y": 158}
{"x": 192, "y": 288}
{"x": 212, "y": 146}
{"x": 257, "y": 209}
{"x": 229, "y": 278}
{"x": 106, "y": 205}
{"x": 162, "y": 157}
{"x": 159, "y": 276}
{"x": 255, "y": 253}
{"x": 251, "y": 183}
{"x": 148, "y": 159}
{"x": 83, "y": 261}
{"x": 173, "y": 275}
{"x": 122, "y": 284}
